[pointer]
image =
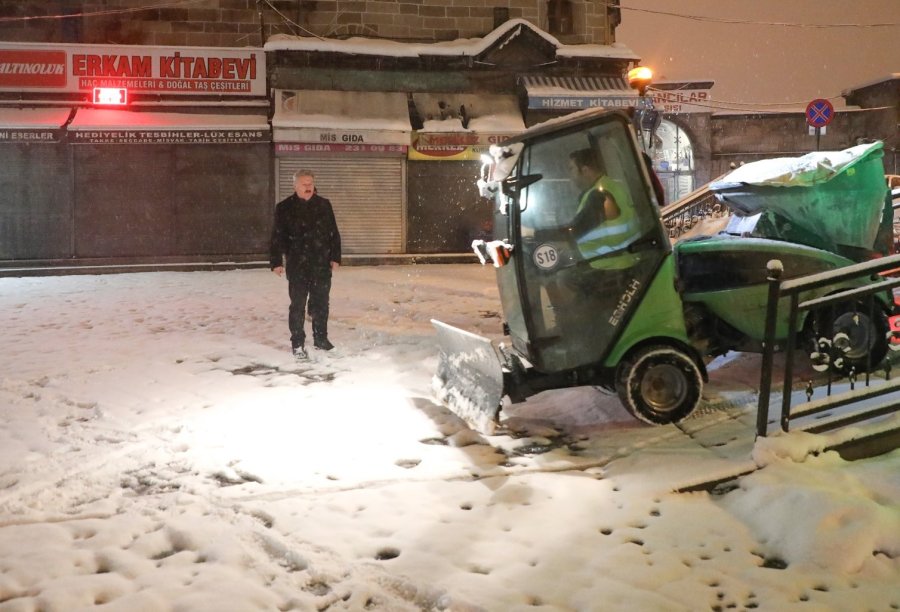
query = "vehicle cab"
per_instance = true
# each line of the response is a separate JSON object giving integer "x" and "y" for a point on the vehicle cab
{"x": 577, "y": 236}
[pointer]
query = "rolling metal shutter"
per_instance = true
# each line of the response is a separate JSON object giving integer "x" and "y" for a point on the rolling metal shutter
{"x": 367, "y": 194}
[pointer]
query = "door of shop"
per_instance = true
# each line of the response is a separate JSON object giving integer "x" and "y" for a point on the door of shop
{"x": 367, "y": 194}
{"x": 35, "y": 202}
{"x": 171, "y": 200}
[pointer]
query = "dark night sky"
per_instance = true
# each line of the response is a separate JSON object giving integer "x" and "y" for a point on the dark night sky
{"x": 767, "y": 63}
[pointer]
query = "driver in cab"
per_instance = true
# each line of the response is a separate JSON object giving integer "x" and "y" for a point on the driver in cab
{"x": 603, "y": 201}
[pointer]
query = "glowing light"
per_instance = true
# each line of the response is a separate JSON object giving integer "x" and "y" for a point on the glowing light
{"x": 640, "y": 78}
{"x": 110, "y": 96}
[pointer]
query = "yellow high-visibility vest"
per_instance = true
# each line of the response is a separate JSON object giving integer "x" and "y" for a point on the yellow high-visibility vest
{"x": 613, "y": 235}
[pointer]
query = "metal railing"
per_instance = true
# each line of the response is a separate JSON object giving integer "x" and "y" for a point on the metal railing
{"x": 682, "y": 215}
{"x": 828, "y": 353}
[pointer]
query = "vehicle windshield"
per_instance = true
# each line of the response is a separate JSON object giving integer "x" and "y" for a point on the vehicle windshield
{"x": 589, "y": 236}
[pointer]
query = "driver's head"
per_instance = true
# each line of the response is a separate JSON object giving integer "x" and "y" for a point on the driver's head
{"x": 584, "y": 168}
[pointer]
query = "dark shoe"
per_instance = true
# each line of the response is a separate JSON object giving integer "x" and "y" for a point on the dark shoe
{"x": 323, "y": 344}
{"x": 300, "y": 353}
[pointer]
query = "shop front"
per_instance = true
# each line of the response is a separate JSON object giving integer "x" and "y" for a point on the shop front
{"x": 678, "y": 157}
{"x": 553, "y": 96}
{"x": 445, "y": 210}
{"x": 356, "y": 145}
{"x": 138, "y": 153}
{"x": 409, "y": 121}
{"x": 35, "y": 184}
{"x": 149, "y": 184}
{"x": 681, "y": 112}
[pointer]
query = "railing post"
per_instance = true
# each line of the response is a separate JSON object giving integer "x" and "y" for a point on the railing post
{"x": 787, "y": 383}
{"x": 775, "y": 270}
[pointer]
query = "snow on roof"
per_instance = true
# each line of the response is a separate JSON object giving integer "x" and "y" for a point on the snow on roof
{"x": 882, "y": 79}
{"x": 613, "y": 51}
{"x": 25, "y": 118}
{"x": 464, "y": 47}
{"x": 102, "y": 118}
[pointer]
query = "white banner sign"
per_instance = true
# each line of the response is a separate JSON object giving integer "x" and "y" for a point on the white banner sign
{"x": 682, "y": 100}
{"x": 159, "y": 70}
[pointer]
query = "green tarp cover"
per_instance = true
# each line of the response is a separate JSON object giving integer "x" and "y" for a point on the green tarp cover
{"x": 836, "y": 198}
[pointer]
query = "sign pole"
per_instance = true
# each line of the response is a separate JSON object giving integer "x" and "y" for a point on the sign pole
{"x": 819, "y": 113}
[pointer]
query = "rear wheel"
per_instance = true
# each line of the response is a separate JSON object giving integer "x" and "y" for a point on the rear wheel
{"x": 854, "y": 337}
{"x": 659, "y": 384}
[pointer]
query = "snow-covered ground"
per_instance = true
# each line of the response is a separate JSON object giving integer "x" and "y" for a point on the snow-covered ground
{"x": 160, "y": 451}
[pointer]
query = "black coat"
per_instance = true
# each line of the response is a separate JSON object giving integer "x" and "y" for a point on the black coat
{"x": 306, "y": 235}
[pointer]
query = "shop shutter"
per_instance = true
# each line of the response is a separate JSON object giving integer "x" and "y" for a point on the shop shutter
{"x": 35, "y": 202}
{"x": 367, "y": 194}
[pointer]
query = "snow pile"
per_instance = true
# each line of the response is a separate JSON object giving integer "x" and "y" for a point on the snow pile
{"x": 809, "y": 169}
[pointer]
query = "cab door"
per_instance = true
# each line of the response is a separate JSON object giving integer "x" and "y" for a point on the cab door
{"x": 579, "y": 280}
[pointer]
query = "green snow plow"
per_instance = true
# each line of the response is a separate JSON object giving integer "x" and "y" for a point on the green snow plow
{"x": 593, "y": 292}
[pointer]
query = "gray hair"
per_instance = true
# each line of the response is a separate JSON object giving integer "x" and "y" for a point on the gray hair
{"x": 303, "y": 172}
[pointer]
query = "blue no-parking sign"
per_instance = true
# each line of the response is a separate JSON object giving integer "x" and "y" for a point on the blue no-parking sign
{"x": 819, "y": 113}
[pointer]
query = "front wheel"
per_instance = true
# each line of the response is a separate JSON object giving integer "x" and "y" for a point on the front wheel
{"x": 659, "y": 384}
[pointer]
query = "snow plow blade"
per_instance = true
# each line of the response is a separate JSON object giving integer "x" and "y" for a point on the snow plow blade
{"x": 469, "y": 379}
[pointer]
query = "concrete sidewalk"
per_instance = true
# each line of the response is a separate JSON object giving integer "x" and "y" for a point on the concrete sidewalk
{"x": 62, "y": 267}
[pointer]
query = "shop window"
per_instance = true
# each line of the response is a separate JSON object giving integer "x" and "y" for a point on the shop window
{"x": 559, "y": 17}
{"x": 673, "y": 159}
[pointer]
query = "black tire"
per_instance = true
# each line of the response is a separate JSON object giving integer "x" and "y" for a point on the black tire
{"x": 864, "y": 332}
{"x": 659, "y": 384}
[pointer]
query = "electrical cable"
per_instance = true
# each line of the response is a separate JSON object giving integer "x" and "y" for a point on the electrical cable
{"x": 168, "y": 4}
{"x": 747, "y": 21}
{"x": 291, "y": 22}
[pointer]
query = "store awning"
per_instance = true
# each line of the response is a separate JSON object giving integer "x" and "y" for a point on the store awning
{"x": 354, "y": 118}
{"x": 574, "y": 93}
{"x": 32, "y": 125}
{"x": 462, "y": 126}
{"x": 112, "y": 126}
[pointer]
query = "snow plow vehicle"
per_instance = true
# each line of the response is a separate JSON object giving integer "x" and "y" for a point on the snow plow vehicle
{"x": 594, "y": 293}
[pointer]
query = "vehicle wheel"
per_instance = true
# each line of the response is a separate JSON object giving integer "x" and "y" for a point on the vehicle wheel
{"x": 855, "y": 338}
{"x": 659, "y": 384}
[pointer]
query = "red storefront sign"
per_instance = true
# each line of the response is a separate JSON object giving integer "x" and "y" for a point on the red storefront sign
{"x": 161, "y": 70}
{"x": 32, "y": 68}
{"x": 308, "y": 147}
{"x": 456, "y": 146}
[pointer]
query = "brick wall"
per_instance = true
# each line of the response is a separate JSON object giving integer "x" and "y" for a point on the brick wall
{"x": 237, "y": 22}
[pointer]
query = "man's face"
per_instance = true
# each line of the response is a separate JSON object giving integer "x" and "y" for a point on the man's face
{"x": 305, "y": 186}
{"x": 579, "y": 175}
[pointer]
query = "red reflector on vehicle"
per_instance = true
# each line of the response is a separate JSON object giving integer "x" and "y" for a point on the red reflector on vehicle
{"x": 895, "y": 328}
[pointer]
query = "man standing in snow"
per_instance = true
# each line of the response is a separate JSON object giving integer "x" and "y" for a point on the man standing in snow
{"x": 306, "y": 243}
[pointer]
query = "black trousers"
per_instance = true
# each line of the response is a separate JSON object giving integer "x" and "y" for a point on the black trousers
{"x": 308, "y": 293}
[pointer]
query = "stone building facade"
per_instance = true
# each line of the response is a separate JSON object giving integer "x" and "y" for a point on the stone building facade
{"x": 228, "y": 23}
{"x": 517, "y": 63}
